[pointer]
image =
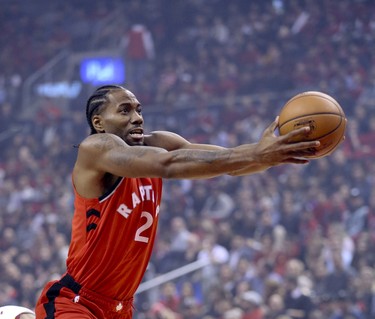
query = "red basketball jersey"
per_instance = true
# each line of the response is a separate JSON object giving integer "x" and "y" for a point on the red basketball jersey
{"x": 113, "y": 237}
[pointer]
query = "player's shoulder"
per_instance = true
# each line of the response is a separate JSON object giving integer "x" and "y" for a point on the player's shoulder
{"x": 100, "y": 142}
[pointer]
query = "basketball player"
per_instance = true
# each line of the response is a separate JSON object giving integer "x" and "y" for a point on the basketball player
{"x": 16, "y": 312}
{"x": 117, "y": 182}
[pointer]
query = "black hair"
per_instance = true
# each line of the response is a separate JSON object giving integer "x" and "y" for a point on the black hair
{"x": 97, "y": 99}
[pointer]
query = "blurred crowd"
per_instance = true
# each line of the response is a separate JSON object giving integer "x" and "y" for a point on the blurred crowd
{"x": 292, "y": 242}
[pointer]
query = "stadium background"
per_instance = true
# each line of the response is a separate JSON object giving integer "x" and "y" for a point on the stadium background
{"x": 292, "y": 238}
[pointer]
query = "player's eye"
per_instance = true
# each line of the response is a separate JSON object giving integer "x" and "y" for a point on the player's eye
{"x": 125, "y": 110}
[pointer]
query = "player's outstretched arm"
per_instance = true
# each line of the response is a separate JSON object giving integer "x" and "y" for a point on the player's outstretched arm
{"x": 273, "y": 150}
{"x": 104, "y": 153}
{"x": 162, "y": 157}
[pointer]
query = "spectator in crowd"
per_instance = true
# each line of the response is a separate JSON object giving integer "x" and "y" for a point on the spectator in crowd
{"x": 139, "y": 50}
{"x": 297, "y": 303}
{"x": 251, "y": 303}
{"x": 218, "y": 204}
{"x": 275, "y": 307}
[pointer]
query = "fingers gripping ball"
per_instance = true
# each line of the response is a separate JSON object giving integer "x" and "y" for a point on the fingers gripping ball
{"x": 321, "y": 113}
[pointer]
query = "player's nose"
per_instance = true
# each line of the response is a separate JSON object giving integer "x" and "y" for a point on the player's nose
{"x": 136, "y": 118}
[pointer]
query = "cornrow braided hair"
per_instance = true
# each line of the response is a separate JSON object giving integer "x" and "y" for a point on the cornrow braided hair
{"x": 97, "y": 99}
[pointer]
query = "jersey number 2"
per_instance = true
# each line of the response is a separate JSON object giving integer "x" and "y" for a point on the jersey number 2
{"x": 146, "y": 225}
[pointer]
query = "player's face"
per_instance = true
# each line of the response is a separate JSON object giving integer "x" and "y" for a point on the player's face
{"x": 123, "y": 117}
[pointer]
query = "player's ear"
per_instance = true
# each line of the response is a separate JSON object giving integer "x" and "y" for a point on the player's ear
{"x": 97, "y": 122}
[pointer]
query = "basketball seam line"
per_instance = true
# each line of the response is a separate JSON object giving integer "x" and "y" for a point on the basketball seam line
{"x": 301, "y": 116}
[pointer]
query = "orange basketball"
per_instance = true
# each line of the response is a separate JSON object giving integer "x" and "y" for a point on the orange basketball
{"x": 321, "y": 113}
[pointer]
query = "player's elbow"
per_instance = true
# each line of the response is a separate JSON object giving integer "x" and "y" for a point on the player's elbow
{"x": 168, "y": 171}
{"x": 171, "y": 168}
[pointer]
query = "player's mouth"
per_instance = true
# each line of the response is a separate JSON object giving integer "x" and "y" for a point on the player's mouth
{"x": 136, "y": 133}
